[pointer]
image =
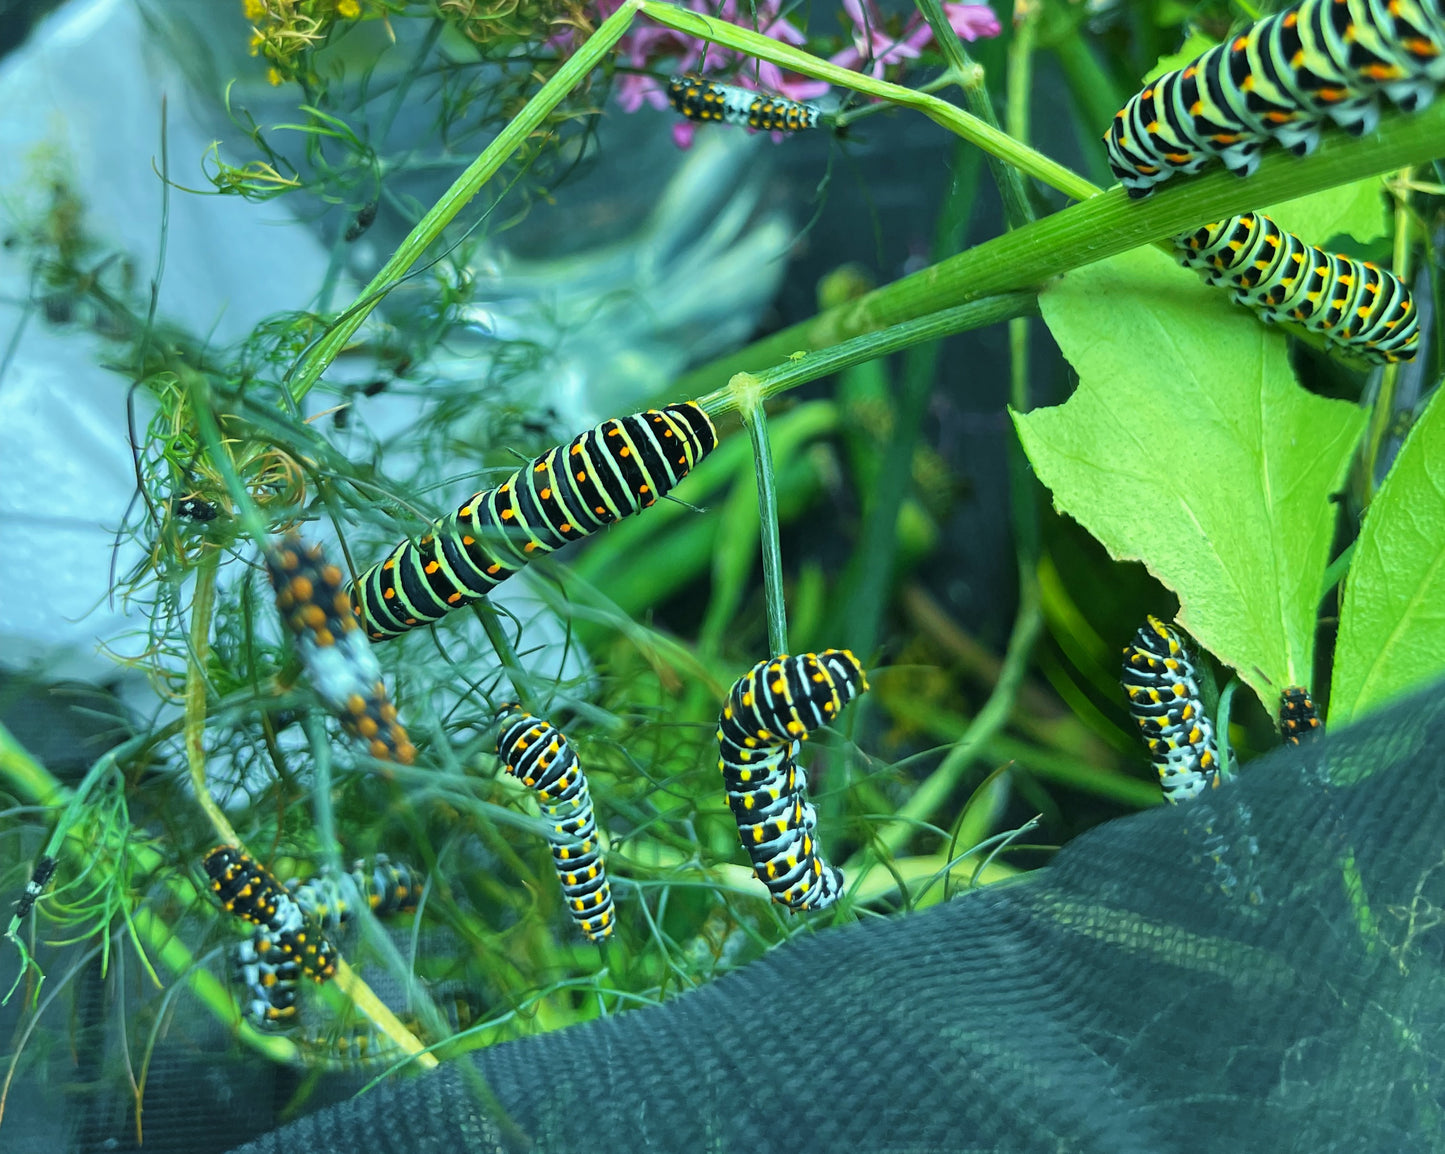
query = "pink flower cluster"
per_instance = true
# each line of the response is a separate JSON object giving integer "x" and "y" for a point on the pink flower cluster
{"x": 872, "y": 47}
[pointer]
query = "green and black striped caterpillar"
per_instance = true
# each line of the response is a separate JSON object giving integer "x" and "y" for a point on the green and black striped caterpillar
{"x": 1163, "y": 691}
{"x": 1354, "y": 305}
{"x": 536, "y": 753}
{"x": 709, "y": 100}
{"x": 619, "y": 468}
{"x": 769, "y": 711}
{"x": 1281, "y": 79}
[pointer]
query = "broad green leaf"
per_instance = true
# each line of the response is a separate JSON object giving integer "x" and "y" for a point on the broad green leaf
{"x": 1356, "y": 210}
{"x": 1392, "y": 623}
{"x": 1189, "y": 446}
{"x": 1193, "y": 47}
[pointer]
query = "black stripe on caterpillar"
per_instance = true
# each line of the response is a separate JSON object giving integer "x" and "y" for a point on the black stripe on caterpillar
{"x": 612, "y": 471}
{"x": 771, "y": 709}
{"x": 1163, "y": 690}
{"x": 537, "y": 753}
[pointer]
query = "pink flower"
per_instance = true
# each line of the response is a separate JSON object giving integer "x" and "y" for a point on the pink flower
{"x": 683, "y": 132}
{"x": 971, "y": 21}
{"x": 880, "y": 50}
{"x": 802, "y": 88}
{"x": 635, "y": 91}
{"x": 871, "y": 44}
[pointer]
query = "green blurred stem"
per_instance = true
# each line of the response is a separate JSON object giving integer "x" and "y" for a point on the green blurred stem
{"x": 878, "y": 545}
{"x": 1383, "y": 411}
{"x": 1021, "y": 68}
{"x": 971, "y": 128}
{"x": 1335, "y": 572}
{"x": 1221, "y": 726}
{"x": 199, "y": 395}
{"x": 1084, "y": 233}
{"x": 981, "y": 732}
{"x": 29, "y": 777}
{"x": 799, "y": 370}
{"x": 589, "y": 56}
{"x": 201, "y": 608}
{"x": 748, "y": 399}
{"x": 502, "y": 645}
{"x": 973, "y": 82}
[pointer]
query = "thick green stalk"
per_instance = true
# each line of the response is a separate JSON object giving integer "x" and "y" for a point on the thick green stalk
{"x": 589, "y": 56}
{"x": 748, "y": 398}
{"x": 1081, "y": 234}
{"x": 971, "y": 128}
{"x": 800, "y": 369}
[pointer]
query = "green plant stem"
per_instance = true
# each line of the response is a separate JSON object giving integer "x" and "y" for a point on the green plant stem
{"x": 1021, "y": 71}
{"x": 1093, "y": 98}
{"x": 981, "y": 732}
{"x": 1084, "y": 233}
{"x": 502, "y": 645}
{"x": 1221, "y": 717}
{"x": 973, "y": 83}
{"x": 878, "y": 543}
{"x": 29, "y": 776}
{"x": 872, "y": 344}
{"x": 748, "y": 399}
{"x": 200, "y": 650}
{"x": 591, "y": 54}
{"x": 970, "y": 128}
{"x": 1382, "y": 412}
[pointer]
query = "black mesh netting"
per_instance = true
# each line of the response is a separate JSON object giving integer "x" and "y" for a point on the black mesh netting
{"x": 1257, "y": 970}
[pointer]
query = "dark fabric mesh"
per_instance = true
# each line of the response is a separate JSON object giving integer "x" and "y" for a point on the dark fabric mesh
{"x": 1257, "y": 970}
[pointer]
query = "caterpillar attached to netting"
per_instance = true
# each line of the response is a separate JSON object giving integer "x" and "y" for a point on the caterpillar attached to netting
{"x": 1298, "y": 718}
{"x": 773, "y": 707}
{"x": 312, "y": 600}
{"x": 617, "y": 469}
{"x": 536, "y": 753}
{"x": 1163, "y": 689}
{"x": 39, "y": 878}
{"x": 1281, "y": 79}
{"x": 271, "y": 978}
{"x": 704, "y": 100}
{"x": 385, "y": 886}
{"x": 1364, "y": 310}
{"x": 248, "y": 890}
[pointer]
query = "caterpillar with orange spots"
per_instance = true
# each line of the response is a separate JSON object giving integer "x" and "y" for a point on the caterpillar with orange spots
{"x": 697, "y": 98}
{"x": 536, "y": 753}
{"x": 1357, "y": 307}
{"x": 264, "y": 966}
{"x": 248, "y": 890}
{"x": 612, "y": 471}
{"x": 312, "y": 600}
{"x": 1298, "y": 718}
{"x": 1282, "y": 79}
{"x": 1163, "y": 690}
{"x": 772, "y": 708}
